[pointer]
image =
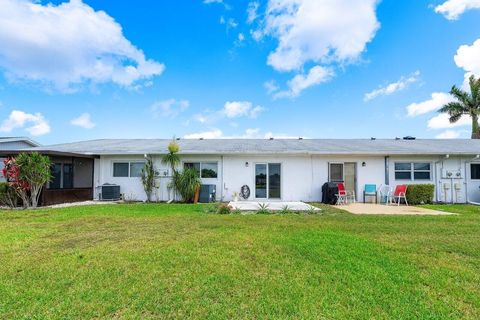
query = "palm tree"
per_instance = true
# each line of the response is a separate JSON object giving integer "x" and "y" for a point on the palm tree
{"x": 465, "y": 104}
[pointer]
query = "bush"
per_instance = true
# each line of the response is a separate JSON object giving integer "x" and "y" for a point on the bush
{"x": 224, "y": 208}
{"x": 186, "y": 183}
{"x": 263, "y": 208}
{"x": 8, "y": 196}
{"x": 420, "y": 193}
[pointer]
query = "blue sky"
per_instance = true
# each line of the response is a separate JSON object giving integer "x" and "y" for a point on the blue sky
{"x": 285, "y": 68}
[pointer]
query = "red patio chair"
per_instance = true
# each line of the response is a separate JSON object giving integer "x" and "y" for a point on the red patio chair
{"x": 399, "y": 194}
{"x": 342, "y": 196}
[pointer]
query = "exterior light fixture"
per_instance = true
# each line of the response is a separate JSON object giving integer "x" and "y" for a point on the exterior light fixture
{"x": 364, "y": 164}
{"x": 246, "y": 164}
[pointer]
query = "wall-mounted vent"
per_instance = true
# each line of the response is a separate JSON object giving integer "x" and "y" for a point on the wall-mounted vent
{"x": 409, "y": 138}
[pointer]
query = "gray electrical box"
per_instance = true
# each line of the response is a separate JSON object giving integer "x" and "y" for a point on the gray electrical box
{"x": 207, "y": 193}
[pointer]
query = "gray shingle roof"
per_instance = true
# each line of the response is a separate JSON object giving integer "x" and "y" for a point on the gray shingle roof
{"x": 276, "y": 146}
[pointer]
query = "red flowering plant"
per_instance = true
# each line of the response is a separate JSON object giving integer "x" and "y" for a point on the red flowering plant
{"x": 12, "y": 174}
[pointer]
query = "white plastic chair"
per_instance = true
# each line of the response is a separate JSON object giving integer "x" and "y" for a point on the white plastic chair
{"x": 385, "y": 194}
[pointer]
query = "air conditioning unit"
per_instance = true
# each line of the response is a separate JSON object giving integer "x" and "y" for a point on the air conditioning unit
{"x": 207, "y": 193}
{"x": 110, "y": 192}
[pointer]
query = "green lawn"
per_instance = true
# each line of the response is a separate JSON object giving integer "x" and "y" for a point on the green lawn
{"x": 176, "y": 261}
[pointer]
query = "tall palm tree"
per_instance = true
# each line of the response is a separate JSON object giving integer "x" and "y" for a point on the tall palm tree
{"x": 465, "y": 104}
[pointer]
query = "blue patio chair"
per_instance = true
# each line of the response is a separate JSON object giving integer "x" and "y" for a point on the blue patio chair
{"x": 370, "y": 190}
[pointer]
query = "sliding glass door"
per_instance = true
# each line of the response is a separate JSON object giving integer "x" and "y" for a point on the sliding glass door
{"x": 268, "y": 180}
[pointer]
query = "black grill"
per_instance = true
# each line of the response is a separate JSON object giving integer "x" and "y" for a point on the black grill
{"x": 329, "y": 192}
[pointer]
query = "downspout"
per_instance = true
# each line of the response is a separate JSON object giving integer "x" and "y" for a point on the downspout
{"x": 221, "y": 180}
{"x": 387, "y": 170}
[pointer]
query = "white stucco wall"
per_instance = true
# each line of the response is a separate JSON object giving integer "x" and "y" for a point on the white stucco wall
{"x": 302, "y": 176}
{"x": 131, "y": 187}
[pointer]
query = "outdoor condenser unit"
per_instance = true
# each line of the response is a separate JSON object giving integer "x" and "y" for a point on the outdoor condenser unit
{"x": 110, "y": 192}
{"x": 207, "y": 193}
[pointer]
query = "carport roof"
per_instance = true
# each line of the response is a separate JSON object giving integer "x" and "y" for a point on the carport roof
{"x": 271, "y": 146}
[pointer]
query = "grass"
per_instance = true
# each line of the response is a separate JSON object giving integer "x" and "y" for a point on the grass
{"x": 176, "y": 261}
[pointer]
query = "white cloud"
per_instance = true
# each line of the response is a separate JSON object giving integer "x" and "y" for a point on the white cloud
{"x": 393, "y": 87}
{"x": 169, "y": 108}
{"x": 234, "y": 109}
{"x": 35, "y": 124}
{"x": 252, "y": 133}
{"x": 300, "y": 82}
{"x": 441, "y": 122}
{"x": 438, "y": 100}
{"x": 213, "y": 134}
{"x": 271, "y": 86}
{"x": 453, "y": 9}
{"x": 84, "y": 121}
{"x": 467, "y": 57}
{"x": 321, "y": 31}
{"x": 449, "y": 134}
{"x": 231, "y": 109}
{"x": 63, "y": 46}
{"x": 252, "y": 11}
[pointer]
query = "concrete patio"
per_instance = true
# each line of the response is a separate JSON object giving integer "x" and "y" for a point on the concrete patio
{"x": 272, "y": 205}
{"x": 371, "y": 208}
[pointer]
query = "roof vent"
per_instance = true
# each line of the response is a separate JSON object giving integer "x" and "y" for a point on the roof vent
{"x": 271, "y": 138}
{"x": 300, "y": 138}
{"x": 397, "y": 138}
{"x": 409, "y": 138}
{"x": 200, "y": 138}
{"x": 373, "y": 138}
{"x": 178, "y": 138}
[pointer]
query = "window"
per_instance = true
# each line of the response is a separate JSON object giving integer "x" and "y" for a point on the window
{"x": 403, "y": 171}
{"x": 421, "y": 171}
{"x": 412, "y": 171}
{"x": 120, "y": 169}
{"x": 67, "y": 176}
{"x": 204, "y": 169}
{"x": 336, "y": 172}
{"x": 136, "y": 169}
{"x": 56, "y": 181}
{"x": 62, "y": 176}
{"x": 475, "y": 171}
{"x": 128, "y": 169}
{"x": 209, "y": 169}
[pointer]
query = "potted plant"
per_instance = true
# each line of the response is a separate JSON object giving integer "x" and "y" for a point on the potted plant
{"x": 235, "y": 196}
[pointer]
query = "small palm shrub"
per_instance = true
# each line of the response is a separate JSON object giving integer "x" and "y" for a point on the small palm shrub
{"x": 263, "y": 208}
{"x": 285, "y": 210}
{"x": 186, "y": 183}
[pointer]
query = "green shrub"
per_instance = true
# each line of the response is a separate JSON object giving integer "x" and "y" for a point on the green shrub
{"x": 285, "y": 210}
{"x": 420, "y": 193}
{"x": 8, "y": 196}
{"x": 263, "y": 208}
{"x": 224, "y": 208}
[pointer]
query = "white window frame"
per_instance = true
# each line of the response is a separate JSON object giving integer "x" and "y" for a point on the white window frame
{"x": 472, "y": 163}
{"x": 412, "y": 170}
{"x": 201, "y": 167}
{"x": 129, "y": 162}
{"x": 268, "y": 180}
{"x": 330, "y": 172}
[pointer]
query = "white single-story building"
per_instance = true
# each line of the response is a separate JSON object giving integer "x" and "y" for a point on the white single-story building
{"x": 273, "y": 169}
